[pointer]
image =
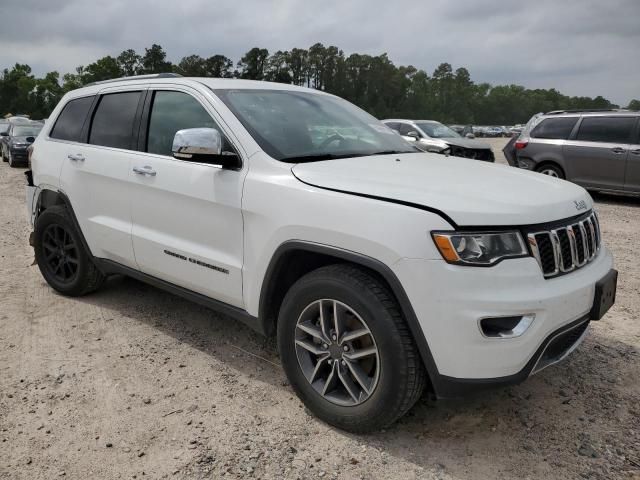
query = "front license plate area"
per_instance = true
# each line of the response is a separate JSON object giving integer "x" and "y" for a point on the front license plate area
{"x": 605, "y": 295}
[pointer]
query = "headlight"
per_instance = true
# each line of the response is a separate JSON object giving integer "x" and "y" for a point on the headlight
{"x": 479, "y": 248}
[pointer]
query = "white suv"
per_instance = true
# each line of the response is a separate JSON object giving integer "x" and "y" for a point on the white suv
{"x": 382, "y": 270}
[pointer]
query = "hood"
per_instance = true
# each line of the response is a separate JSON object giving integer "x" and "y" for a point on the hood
{"x": 469, "y": 192}
{"x": 467, "y": 143}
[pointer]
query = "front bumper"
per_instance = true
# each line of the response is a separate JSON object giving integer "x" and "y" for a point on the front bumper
{"x": 19, "y": 155}
{"x": 448, "y": 301}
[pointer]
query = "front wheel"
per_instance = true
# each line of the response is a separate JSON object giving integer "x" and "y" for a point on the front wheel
{"x": 347, "y": 350}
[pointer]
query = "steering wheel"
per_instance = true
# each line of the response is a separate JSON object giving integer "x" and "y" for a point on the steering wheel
{"x": 336, "y": 137}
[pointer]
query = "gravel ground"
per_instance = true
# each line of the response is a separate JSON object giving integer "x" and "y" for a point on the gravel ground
{"x": 131, "y": 382}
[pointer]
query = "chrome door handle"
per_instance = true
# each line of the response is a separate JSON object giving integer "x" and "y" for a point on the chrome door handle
{"x": 146, "y": 170}
{"x": 618, "y": 150}
{"x": 78, "y": 157}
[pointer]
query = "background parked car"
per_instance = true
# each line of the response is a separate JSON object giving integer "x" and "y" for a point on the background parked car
{"x": 16, "y": 140}
{"x": 599, "y": 150}
{"x": 432, "y": 136}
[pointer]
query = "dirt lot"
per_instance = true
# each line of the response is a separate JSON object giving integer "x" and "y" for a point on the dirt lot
{"x": 131, "y": 382}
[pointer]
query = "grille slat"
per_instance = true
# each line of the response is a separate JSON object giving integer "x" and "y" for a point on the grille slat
{"x": 566, "y": 248}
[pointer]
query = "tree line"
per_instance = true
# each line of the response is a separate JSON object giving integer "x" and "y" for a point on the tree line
{"x": 372, "y": 82}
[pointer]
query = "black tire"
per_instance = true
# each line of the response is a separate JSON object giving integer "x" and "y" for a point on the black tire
{"x": 4, "y": 159}
{"x": 551, "y": 169}
{"x": 401, "y": 377}
{"x": 57, "y": 242}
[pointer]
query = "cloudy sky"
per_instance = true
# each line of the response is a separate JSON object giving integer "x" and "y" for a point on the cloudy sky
{"x": 580, "y": 47}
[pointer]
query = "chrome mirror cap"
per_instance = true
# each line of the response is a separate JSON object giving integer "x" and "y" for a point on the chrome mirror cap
{"x": 196, "y": 141}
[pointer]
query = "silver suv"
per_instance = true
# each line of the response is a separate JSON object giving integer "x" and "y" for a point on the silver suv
{"x": 599, "y": 150}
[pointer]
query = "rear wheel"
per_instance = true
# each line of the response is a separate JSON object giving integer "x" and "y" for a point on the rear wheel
{"x": 61, "y": 257}
{"x": 551, "y": 170}
{"x": 347, "y": 350}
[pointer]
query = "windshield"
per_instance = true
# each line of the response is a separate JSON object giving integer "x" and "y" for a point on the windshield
{"x": 26, "y": 131}
{"x": 299, "y": 126}
{"x": 437, "y": 130}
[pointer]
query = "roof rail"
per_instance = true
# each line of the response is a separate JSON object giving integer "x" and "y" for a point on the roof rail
{"x": 586, "y": 110}
{"x": 137, "y": 77}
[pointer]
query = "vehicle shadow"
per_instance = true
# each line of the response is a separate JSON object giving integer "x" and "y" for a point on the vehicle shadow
{"x": 572, "y": 417}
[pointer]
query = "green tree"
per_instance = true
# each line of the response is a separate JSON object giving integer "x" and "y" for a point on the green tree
{"x": 129, "y": 62}
{"x": 192, "y": 66}
{"x": 154, "y": 60}
{"x": 252, "y": 65}
{"x": 104, "y": 68}
{"x": 634, "y": 105}
{"x": 219, "y": 66}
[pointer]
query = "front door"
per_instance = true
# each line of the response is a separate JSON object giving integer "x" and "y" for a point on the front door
{"x": 597, "y": 156}
{"x": 187, "y": 219}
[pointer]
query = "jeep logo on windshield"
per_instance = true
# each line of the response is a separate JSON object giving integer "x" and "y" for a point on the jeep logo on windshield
{"x": 580, "y": 205}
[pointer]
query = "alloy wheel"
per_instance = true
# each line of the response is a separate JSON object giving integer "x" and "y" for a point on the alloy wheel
{"x": 549, "y": 171}
{"x": 60, "y": 253}
{"x": 337, "y": 352}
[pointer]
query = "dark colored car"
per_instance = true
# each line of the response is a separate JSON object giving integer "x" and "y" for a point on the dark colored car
{"x": 15, "y": 141}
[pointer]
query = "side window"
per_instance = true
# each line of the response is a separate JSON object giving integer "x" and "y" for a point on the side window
{"x": 112, "y": 124}
{"x": 69, "y": 124}
{"x": 405, "y": 128}
{"x": 554, "y": 128}
{"x": 170, "y": 112}
{"x": 393, "y": 126}
{"x": 606, "y": 129}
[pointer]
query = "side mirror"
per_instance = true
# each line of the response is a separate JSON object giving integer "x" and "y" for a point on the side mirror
{"x": 470, "y": 135}
{"x": 203, "y": 145}
{"x": 413, "y": 134}
{"x": 4, "y": 134}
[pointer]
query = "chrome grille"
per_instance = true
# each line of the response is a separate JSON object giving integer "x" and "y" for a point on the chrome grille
{"x": 566, "y": 248}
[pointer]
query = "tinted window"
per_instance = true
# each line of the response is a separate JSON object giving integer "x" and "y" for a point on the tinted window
{"x": 112, "y": 124}
{"x": 394, "y": 126}
{"x": 554, "y": 128}
{"x": 405, "y": 128}
{"x": 606, "y": 129}
{"x": 69, "y": 124}
{"x": 173, "y": 111}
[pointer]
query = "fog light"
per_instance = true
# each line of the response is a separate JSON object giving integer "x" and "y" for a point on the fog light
{"x": 505, "y": 327}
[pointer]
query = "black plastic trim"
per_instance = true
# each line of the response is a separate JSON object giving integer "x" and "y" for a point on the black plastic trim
{"x": 380, "y": 268}
{"x": 109, "y": 267}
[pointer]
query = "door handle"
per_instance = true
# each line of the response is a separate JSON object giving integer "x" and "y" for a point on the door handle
{"x": 618, "y": 150}
{"x": 78, "y": 157}
{"x": 635, "y": 152}
{"x": 146, "y": 170}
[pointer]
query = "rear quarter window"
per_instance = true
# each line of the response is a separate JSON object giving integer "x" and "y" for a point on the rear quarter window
{"x": 69, "y": 124}
{"x": 554, "y": 128}
{"x": 113, "y": 120}
{"x": 606, "y": 129}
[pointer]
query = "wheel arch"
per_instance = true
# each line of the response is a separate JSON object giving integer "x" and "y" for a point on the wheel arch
{"x": 293, "y": 259}
{"x": 49, "y": 197}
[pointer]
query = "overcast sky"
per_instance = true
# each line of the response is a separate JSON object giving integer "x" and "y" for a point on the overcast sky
{"x": 580, "y": 47}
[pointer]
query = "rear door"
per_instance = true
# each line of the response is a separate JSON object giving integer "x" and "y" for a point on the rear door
{"x": 187, "y": 219}
{"x": 596, "y": 155}
{"x": 95, "y": 173}
{"x": 632, "y": 177}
